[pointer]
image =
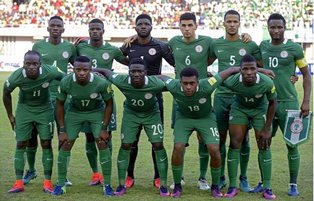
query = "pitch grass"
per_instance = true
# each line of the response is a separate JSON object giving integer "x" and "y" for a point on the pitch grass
{"x": 79, "y": 171}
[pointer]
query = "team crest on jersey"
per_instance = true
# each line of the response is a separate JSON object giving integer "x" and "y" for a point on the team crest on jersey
{"x": 258, "y": 95}
{"x": 242, "y": 52}
{"x": 65, "y": 55}
{"x": 152, "y": 51}
{"x": 148, "y": 96}
{"x": 105, "y": 56}
{"x": 93, "y": 95}
{"x": 284, "y": 54}
{"x": 202, "y": 100}
{"x": 45, "y": 85}
{"x": 198, "y": 48}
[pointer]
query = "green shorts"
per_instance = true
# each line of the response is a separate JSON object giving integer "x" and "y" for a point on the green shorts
{"x": 245, "y": 116}
{"x": 133, "y": 121}
{"x": 206, "y": 127}
{"x": 222, "y": 106}
{"x": 281, "y": 114}
{"x": 28, "y": 117}
{"x": 112, "y": 124}
{"x": 74, "y": 121}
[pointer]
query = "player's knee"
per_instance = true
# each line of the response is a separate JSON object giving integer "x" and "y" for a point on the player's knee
{"x": 158, "y": 146}
{"x": 21, "y": 144}
{"x": 89, "y": 137}
{"x": 126, "y": 146}
{"x": 179, "y": 147}
{"x": 45, "y": 144}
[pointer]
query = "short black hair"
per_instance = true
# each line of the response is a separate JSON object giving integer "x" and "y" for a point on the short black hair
{"x": 188, "y": 16}
{"x": 56, "y": 17}
{"x": 189, "y": 72}
{"x": 276, "y": 16}
{"x": 96, "y": 20}
{"x": 137, "y": 60}
{"x": 247, "y": 58}
{"x": 82, "y": 59}
{"x": 143, "y": 16}
{"x": 32, "y": 52}
{"x": 231, "y": 12}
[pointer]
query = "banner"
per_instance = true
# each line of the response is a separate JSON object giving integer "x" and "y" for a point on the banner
{"x": 296, "y": 128}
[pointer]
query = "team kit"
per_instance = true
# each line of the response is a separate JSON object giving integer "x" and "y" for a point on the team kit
{"x": 252, "y": 90}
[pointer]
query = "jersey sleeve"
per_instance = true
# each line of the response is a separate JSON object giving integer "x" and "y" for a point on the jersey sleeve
{"x": 212, "y": 50}
{"x": 123, "y": 49}
{"x": 62, "y": 93}
{"x": 211, "y": 83}
{"x": 271, "y": 94}
{"x": 56, "y": 73}
{"x": 167, "y": 54}
{"x": 73, "y": 55}
{"x": 171, "y": 84}
{"x": 11, "y": 83}
{"x": 299, "y": 57}
{"x": 256, "y": 52}
{"x": 35, "y": 46}
{"x": 118, "y": 55}
{"x": 116, "y": 79}
{"x": 106, "y": 92}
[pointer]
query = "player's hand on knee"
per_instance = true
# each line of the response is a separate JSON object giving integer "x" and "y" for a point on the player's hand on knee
{"x": 63, "y": 137}
{"x": 294, "y": 78}
{"x": 104, "y": 136}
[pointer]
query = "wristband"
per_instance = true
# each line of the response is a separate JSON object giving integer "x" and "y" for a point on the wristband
{"x": 62, "y": 129}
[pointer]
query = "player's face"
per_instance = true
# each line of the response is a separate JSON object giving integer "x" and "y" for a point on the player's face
{"x": 55, "y": 28}
{"x": 187, "y": 28}
{"x": 137, "y": 73}
{"x": 143, "y": 28}
{"x": 96, "y": 31}
{"x": 232, "y": 24}
{"x": 31, "y": 65}
{"x": 189, "y": 85}
{"x": 276, "y": 29}
{"x": 82, "y": 71}
{"x": 248, "y": 72}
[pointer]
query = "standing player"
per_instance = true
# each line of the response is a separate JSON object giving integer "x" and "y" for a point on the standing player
{"x": 87, "y": 93}
{"x": 34, "y": 110}
{"x": 140, "y": 110}
{"x": 282, "y": 56}
{"x": 59, "y": 53}
{"x": 190, "y": 49}
{"x": 151, "y": 51}
{"x": 194, "y": 113}
{"x": 229, "y": 51}
{"x": 101, "y": 55}
{"x": 254, "y": 104}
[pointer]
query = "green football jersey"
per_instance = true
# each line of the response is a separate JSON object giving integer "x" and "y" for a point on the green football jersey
{"x": 194, "y": 54}
{"x": 56, "y": 55}
{"x": 199, "y": 105}
{"x": 101, "y": 57}
{"x": 282, "y": 60}
{"x": 34, "y": 92}
{"x": 139, "y": 99}
{"x": 89, "y": 97}
{"x": 254, "y": 96}
{"x": 229, "y": 54}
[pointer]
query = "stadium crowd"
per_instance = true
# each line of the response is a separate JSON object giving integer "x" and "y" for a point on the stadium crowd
{"x": 120, "y": 14}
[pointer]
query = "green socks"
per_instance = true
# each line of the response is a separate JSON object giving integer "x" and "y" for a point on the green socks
{"x": 63, "y": 158}
{"x": 177, "y": 173}
{"x": 91, "y": 153}
{"x": 123, "y": 163}
{"x": 31, "y": 156}
{"x": 47, "y": 161}
{"x": 162, "y": 164}
{"x": 19, "y": 163}
{"x": 244, "y": 157}
{"x": 204, "y": 158}
{"x": 266, "y": 166}
{"x": 233, "y": 162}
{"x": 106, "y": 164}
{"x": 294, "y": 163}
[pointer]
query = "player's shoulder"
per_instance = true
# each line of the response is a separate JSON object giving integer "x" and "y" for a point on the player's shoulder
{"x": 264, "y": 78}
{"x": 17, "y": 73}
{"x": 293, "y": 45}
{"x": 175, "y": 39}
